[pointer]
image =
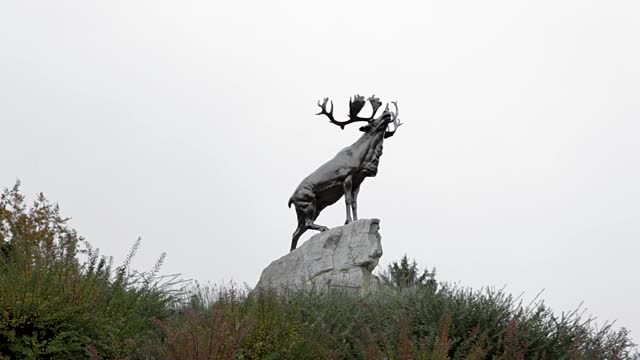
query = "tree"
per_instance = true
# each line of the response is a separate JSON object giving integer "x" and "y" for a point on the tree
{"x": 406, "y": 274}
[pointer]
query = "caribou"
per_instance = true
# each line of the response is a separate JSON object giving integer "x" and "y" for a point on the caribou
{"x": 344, "y": 174}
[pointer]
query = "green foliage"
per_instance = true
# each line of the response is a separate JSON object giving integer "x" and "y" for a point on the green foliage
{"x": 60, "y": 299}
{"x": 52, "y": 305}
{"x": 391, "y": 323}
{"x": 405, "y": 274}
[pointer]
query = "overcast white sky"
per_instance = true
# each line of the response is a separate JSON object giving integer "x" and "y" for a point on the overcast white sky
{"x": 190, "y": 123}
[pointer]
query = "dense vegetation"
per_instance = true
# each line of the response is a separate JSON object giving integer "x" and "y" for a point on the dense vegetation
{"x": 52, "y": 305}
{"x": 59, "y": 299}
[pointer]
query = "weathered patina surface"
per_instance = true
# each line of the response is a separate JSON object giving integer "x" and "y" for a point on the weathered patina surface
{"x": 344, "y": 174}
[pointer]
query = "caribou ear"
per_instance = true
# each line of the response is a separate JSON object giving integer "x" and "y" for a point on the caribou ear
{"x": 365, "y": 128}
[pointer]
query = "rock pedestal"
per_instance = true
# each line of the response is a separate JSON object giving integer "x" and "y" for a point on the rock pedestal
{"x": 342, "y": 257}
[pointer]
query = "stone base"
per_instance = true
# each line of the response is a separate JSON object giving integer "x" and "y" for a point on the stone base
{"x": 340, "y": 258}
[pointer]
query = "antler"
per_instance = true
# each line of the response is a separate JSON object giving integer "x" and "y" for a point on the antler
{"x": 375, "y": 104}
{"x": 396, "y": 122}
{"x": 355, "y": 106}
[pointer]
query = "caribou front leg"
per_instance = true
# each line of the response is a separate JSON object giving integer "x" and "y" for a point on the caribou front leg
{"x": 348, "y": 196}
{"x": 354, "y": 204}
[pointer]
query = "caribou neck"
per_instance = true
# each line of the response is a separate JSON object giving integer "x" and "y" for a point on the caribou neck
{"x": 367, "y": 149}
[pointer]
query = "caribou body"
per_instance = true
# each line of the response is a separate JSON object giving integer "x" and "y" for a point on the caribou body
{"x": 343, "y": 174}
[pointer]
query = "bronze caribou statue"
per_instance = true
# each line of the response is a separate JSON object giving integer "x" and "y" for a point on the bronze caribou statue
{"x": 343, "y": 174}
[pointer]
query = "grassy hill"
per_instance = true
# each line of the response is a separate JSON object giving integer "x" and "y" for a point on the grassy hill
{"x": 60, "y": 299}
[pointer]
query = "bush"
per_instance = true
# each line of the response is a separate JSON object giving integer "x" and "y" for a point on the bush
{"x": 52, "y": 305}
{"x": 405, "y": 274}
{"x": 392, "y": 323}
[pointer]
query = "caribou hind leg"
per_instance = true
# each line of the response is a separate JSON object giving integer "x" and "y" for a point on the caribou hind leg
{"x": 306, "y": 215}
{"x": 311, "y": 212}
{"x": 302, "y": 227}
{"x": 320, "y": 228}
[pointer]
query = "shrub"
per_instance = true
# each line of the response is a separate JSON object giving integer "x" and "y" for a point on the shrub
{"x": 392, "y": 323}
{"x": 53, "y": 305}
{"x": 405, "y": 273}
